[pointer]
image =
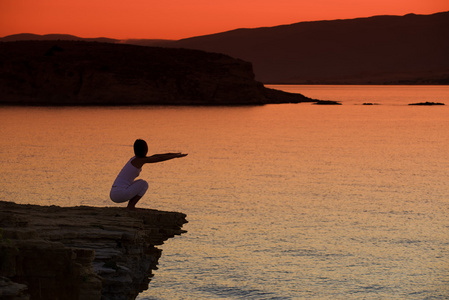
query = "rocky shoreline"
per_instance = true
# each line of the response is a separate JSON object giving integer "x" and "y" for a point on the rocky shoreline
{"x": 52, "y": 252}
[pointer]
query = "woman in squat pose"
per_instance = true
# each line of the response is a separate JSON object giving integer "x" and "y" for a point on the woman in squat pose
{"x": 125, "y": 187}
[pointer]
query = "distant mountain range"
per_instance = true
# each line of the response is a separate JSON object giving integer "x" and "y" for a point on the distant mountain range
{"x": 410, "y": 49}
{"x": 52, "y": 37}
{"x": 68, "y": 37}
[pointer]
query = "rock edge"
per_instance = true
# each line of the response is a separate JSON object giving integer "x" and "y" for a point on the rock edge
{"x": 52, "y": 252}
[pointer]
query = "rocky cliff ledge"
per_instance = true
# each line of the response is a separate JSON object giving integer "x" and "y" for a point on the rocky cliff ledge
{"x": 51, "y": 252}
{"x": 91, "y": 73}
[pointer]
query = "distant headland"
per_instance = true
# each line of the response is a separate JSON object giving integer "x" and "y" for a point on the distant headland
{"x": 61, "y": 73}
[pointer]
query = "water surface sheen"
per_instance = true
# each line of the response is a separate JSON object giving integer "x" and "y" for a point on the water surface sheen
{"x": 293, "y": 201}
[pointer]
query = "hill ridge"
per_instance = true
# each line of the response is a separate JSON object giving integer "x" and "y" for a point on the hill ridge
{"x": 378, "y": 49}
{"x": 382, "y": 49}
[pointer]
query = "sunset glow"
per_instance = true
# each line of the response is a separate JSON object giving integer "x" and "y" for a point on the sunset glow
{"x": 181, "y": 19}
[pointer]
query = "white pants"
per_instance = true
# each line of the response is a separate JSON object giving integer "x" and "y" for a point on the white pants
{"x": 123, "y": 194}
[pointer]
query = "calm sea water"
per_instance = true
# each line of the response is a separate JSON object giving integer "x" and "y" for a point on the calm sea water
{"x": 291, "y": 201}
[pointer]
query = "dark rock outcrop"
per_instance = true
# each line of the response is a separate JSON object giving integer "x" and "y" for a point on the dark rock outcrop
{"x": 427, "y": 103}
{"x": 327, "y": 102}
{"x": 51, "y": 252}
{"x": 90, "y": 73}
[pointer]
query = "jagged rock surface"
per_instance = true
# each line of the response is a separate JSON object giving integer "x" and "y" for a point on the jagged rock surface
{"x": 90, "y": 73}
{"x": 51, "y": 252}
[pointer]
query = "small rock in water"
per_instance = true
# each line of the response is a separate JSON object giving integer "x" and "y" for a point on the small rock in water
{"x": 327, "y": 102}
{"x": 427, "y": 103}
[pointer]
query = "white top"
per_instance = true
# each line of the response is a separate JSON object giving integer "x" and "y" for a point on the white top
{"x": 127, "y": 175}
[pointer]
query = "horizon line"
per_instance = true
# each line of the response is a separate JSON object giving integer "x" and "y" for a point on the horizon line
{"x": 240, "y": 28}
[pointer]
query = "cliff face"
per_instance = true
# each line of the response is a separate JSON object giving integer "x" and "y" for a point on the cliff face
{"x": 90, "y": 73}
{"x": 80, "y": 252}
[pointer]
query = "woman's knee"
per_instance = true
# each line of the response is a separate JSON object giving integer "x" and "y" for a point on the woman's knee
{"x": 143, "y": 186}
{"x": 118, "y": 196}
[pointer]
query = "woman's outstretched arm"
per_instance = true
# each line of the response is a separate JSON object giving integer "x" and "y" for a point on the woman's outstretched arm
{"x": 138, "y": 162}
{"x": 161, "y": 157}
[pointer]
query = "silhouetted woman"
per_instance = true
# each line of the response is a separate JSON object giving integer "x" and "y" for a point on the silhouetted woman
{"x": 125, "y": 187}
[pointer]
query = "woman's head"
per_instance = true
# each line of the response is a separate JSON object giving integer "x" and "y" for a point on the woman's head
{"x": 140, "y": 148}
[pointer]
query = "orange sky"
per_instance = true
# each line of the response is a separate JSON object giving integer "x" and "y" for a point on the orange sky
{"x": 176, "y": 19}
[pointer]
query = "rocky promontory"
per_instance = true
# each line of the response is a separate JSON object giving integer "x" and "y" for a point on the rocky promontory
{"x": 93, "y": 73}
{"x": 51, "y": 252}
